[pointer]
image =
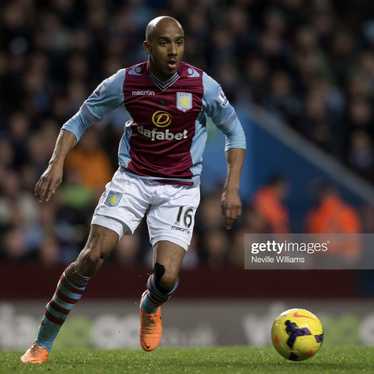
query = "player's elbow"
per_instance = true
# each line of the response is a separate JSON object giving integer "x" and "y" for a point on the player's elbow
{"x": 238, "y": 143}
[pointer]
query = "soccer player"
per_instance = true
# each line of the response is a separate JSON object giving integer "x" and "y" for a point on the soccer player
{"x": 160, "y": 161}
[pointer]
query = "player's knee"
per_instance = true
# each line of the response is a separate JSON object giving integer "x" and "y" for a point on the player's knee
{"x": 89, "y": 259}
{"x": 95, "y": 251}
{"x": 165, "y": 278}
{"x": 94, "y": 255}
{"x": 168, "y": 280}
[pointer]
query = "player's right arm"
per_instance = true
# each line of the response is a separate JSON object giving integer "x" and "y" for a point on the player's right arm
{"x": 106, "y": 97}
{"x": 52, "y": 176}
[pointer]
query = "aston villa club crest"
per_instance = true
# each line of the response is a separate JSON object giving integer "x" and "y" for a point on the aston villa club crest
{"x": 113, "y": 198}
{"x": 184, "y": 101}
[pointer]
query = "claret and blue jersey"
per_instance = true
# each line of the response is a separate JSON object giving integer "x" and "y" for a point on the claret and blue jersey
{"x": 166, "y": 137}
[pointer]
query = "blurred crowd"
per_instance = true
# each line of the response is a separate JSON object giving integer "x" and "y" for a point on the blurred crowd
{"x": 310, "y": 63}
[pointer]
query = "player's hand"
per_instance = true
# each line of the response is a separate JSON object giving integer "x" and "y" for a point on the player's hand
{"x": 49, "y": 182}
{"x": 231, "y": 206}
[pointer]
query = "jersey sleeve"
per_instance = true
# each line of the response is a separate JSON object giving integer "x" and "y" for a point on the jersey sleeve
{"x": 218, "y": 108}
{"x": 107, "y": 96}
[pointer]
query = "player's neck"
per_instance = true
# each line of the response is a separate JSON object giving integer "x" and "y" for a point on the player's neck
{"x": 158, "y": 74}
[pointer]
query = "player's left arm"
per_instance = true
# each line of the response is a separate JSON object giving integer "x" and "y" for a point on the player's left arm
{"x": 230, "y": 201}
{"x": 224, "y": 116}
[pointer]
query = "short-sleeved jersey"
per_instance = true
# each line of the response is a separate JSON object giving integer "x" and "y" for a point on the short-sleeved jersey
{"x": 166, "y": 137}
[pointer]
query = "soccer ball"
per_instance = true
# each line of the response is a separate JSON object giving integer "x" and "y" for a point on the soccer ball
{"x": 297, "y": 334}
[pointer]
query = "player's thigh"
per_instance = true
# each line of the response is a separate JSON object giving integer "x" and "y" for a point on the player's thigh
{"x": 173, "y": 220}
{"x": 123, "y": 204}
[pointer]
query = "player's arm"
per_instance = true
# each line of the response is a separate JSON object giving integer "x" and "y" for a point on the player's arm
{"x": 52, "y": 176}
{"x": 231, "y": 204}
{"x": 106, "y": 97}
{"x": 223, "y": 115}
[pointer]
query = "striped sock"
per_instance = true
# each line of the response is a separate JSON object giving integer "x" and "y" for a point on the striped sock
{"x": 67, "y": 293}
{"x": 147, "y": 303}
{"x": 153, "y": 297}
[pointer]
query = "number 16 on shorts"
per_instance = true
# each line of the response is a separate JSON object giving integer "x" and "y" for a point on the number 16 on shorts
{"x": 184, "y": 218}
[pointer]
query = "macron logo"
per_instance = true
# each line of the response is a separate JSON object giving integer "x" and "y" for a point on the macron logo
{"x": 143, "y": 93}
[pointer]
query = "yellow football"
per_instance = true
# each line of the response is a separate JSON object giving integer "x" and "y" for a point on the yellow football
{"x": 297, "y": 334}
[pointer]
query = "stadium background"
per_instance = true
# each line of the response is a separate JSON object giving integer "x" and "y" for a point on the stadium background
{"x": 301, "y": 76}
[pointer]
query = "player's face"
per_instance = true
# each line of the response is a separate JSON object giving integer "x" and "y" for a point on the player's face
{"x": 166, "y": 50}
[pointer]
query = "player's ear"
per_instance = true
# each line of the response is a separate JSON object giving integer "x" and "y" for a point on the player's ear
{"x": 147, "y": 46}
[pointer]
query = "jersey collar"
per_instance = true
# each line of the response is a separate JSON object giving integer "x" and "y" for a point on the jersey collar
{"x": 160, "y": 84}
{"x": 164, "y": 85}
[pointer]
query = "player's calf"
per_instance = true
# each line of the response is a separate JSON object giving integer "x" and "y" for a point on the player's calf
{"x": 160, "y": 286}
{"x": 70, "y": 288}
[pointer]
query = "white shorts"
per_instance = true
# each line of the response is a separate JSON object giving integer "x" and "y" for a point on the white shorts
{"x": 170, "y": 209}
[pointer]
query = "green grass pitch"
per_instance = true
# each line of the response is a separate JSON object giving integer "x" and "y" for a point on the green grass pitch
{"x": 194, "y": 360}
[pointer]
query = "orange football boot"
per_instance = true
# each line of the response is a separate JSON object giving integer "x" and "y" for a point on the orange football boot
{"x": 36, "y": 354}
{"x": 150, "y": 329}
